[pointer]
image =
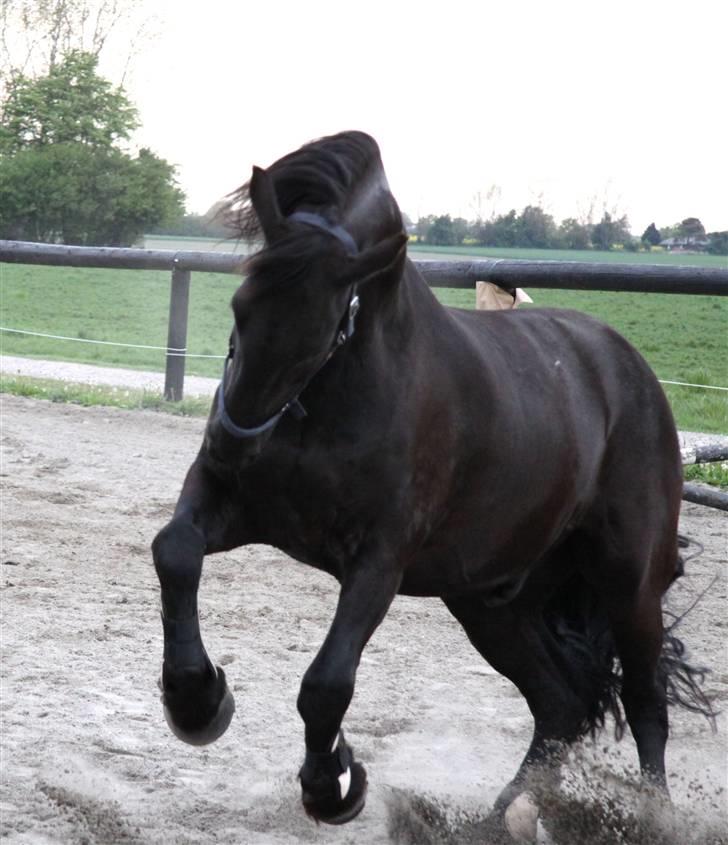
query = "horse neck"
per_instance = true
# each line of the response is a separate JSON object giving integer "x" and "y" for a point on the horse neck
{"x": 400, "y": 307}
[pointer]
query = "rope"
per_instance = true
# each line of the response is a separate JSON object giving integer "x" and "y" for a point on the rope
{"x": 180, "y": 352}
{"x": 172, "y": 351}
{"x": 688, "y": 384}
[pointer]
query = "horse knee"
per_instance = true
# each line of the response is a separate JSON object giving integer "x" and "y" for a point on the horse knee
{"x": 177, "y": 551}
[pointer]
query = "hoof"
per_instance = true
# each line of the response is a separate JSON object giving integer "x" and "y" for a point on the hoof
{"x": 198, "y": 712}
{"x": 334, "y": 786}
{"x": 521, "y": 818}
{"x": 333, "y": 810}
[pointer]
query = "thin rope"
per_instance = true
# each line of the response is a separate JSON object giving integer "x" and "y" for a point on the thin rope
{"x": 172, "y": 351}
{"x": 689, "y": 384}
{"x": 181, "y": 352}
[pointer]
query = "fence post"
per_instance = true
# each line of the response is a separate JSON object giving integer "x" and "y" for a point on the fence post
{"x": 179, "y": 299}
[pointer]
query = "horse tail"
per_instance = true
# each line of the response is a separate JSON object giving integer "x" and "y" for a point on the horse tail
{"x": 577, "y": 620}
{"x": 683, "y": 681}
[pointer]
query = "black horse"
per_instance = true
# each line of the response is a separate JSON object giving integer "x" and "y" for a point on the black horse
{"x": 523, "y": 466}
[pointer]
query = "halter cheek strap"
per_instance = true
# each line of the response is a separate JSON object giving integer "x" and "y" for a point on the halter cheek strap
{"x": 345, "y": 332}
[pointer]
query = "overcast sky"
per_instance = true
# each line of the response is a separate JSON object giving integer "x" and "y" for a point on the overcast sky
{"x": 621, "y": 105}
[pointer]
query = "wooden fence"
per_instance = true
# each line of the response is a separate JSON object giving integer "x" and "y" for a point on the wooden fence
{"x": 508, "y": 273}
{"x": 569, "y": 275}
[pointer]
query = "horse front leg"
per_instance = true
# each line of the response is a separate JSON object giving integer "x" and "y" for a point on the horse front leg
{"x": 333, "y": 784}
{"x": 198, "y": 705}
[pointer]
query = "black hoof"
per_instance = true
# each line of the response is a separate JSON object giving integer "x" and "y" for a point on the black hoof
{"x": 333, "y": 810}
{"x": 198, "y": 709}
{"x": 334, "y": 786}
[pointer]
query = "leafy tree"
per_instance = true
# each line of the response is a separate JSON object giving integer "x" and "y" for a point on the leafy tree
{"x": 423, "y": 225}
{"x": 536, "y": 228}
{"x": 461, "y": 229}
{"x": 441, "y": 232}
{"x": 573, "y": 234}
{"x": 503, "y": 230}
{"x": 718, "y": 243}
{"x": 608, "y": 232}
{"x": 63, "y": 175}
{"x": 651, "y": 236}
{"x": 691, "y": 227}
{"x": 669, "y": 231}
{"x": 71, "y": 104}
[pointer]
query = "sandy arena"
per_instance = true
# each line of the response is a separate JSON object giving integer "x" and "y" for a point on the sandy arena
{"x": 88, "y": 758}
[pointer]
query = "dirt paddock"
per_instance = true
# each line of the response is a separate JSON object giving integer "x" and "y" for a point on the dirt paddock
{"x": 87, "y": 756}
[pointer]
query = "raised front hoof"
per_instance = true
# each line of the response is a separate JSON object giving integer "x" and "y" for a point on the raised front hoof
{"x": 331, "y": 809}
{"x": 198, "y": 712}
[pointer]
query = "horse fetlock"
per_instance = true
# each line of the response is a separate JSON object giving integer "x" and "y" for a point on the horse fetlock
{"x": 333, "y": 784}
{"x": 197, "y": 703}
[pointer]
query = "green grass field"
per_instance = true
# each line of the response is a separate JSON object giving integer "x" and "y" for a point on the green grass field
{"x": 685, "y": 338}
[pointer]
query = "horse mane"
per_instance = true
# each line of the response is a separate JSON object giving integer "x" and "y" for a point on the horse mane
{"x": 325, "y": 173}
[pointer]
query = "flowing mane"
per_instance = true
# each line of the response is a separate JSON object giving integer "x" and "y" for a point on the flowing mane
{"x": 336, "y": 173}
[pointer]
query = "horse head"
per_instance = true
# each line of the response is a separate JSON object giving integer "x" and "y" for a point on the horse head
{"x": 297, "y": 306}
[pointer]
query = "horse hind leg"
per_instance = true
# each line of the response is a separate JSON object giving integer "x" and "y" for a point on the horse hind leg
{"x": 631, "y": 565}
{"x": 517, "y": 641}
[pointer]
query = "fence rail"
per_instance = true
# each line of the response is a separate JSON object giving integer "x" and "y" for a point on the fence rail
{"x": 568, "y": 275}
{"x": 506, "y": 272}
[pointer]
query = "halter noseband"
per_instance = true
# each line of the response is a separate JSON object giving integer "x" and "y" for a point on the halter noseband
{"x": 345, "y": 332}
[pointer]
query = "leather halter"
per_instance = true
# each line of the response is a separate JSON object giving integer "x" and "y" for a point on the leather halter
{"x": 344, "y": 333}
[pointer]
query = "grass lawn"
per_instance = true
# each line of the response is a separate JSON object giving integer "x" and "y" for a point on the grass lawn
{"x": 685, "y": 338}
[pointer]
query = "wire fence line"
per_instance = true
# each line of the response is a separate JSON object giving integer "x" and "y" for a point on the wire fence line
{"x": 180, "y": 352}
{"x": 183, "y": 353}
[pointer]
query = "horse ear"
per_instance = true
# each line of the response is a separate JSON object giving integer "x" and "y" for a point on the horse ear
{"x": 376, "y": 259}
{"x": 264, "y": 201}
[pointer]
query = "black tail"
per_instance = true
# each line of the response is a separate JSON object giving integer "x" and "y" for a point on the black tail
{"x": 580, "y": 627}
{"x": 578, "y": 623}
{"x": 684, "y": 682}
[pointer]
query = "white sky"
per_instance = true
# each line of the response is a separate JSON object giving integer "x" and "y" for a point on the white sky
{"x": 619, "y": 104}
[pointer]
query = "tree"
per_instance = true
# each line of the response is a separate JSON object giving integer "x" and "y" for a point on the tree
{"x": 608, "y": 232}
{"x": 718, "y": 243}
{"x": 461, "y": 229}
{"x": 63, "y": 175}
{"x": 423, "y": 225}
{"x": 71, "y": 104}
{"x": 691, "y": 227}
{"x": 573, "y": 234}
{"x": 441, "y": 231}
{"x": 651, "y": 236}
{"x": 536, "y": 228}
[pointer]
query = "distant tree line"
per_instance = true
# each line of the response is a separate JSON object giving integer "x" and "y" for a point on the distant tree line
{"x": 536, "y": 229}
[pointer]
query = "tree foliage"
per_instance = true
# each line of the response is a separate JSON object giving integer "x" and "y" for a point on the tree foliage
{"x": 718, "y": 243}
{"x": 651, "y": 236}
{"x": 608, "y": 232}
{"x": 71, "y": 104}
{"x": 63, "y": 174}
{"x": 691, "y": 227}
